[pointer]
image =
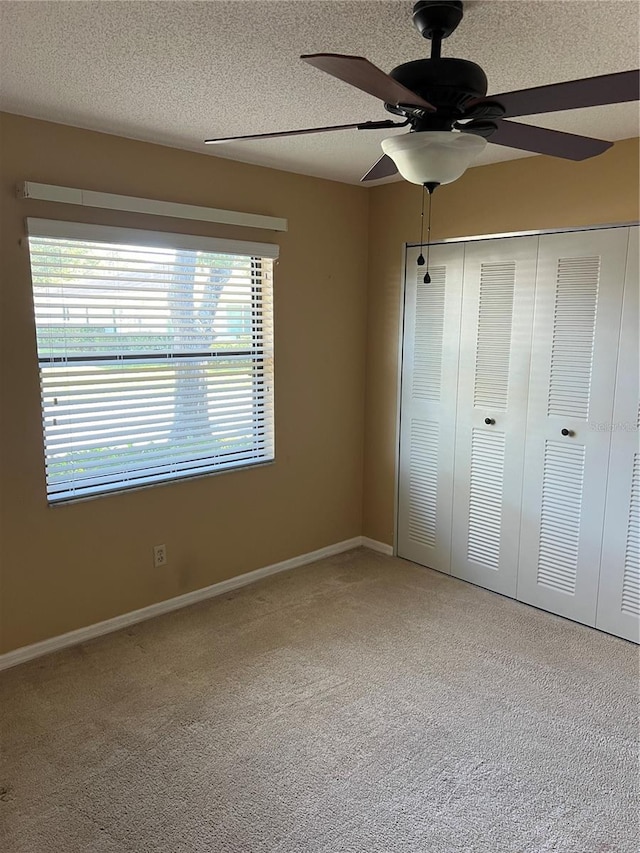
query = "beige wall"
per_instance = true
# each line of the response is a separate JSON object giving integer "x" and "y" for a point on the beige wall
{"x": 520, "y": 195}
{"x": 65, "y": 567}
{"x": 70, "y": 566}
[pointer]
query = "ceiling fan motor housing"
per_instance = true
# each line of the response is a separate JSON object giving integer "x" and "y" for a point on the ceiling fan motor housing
{"x": 447, "y": 83}
{"x": 437, "y": 18}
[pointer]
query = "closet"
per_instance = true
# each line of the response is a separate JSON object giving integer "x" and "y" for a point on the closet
{"x": 519, "y": 467}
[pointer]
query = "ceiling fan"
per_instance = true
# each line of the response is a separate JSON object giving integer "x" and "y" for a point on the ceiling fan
{"x": 443, "y": 102}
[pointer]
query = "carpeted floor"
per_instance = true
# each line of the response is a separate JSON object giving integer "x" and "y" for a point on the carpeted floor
{"x": 358, "y": 705}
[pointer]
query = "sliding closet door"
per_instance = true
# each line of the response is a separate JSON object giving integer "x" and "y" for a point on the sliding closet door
{"x": 619, "y": 590}
{"x": 573, "y": 364}
{"x": 429, "y": 378}
{"x": 497, "y": 314}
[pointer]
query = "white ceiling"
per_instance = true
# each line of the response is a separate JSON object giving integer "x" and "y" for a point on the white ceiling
{"x": 177, "y": 72}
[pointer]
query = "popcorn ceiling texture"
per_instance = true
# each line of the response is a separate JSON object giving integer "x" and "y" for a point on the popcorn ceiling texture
{"x": 361, "y": 704}
{"x": 177, "y": 72}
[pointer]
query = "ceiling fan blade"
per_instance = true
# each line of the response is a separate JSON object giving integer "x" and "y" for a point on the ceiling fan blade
{"x": 363, "y": 125}
{"x": 364, "y": 75}
{"x": 541, "y": 140}
{"x": 382, "y": 168}
{"x": 571, "y": 95}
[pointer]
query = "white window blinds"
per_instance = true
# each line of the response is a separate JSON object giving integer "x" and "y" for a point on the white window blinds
{"x": 155, "y": 353}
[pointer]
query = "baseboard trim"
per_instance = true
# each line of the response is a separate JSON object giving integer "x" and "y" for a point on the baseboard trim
{"x": 81, "y": 635}
{"x": 374, "y": 545}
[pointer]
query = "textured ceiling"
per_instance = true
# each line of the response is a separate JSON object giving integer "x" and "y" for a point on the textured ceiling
{"x": 177, "y": 72}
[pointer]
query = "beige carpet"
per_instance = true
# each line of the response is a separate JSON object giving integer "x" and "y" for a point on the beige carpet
{"x": 358, "y": 705}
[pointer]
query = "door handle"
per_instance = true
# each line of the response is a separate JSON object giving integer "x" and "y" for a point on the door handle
{"x": 568, "y": 432}
{"x": 489, "y": 421}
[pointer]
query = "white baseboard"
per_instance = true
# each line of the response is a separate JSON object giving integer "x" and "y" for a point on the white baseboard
{"x": 81, "y": 635}
{"x": 374, "y": 545}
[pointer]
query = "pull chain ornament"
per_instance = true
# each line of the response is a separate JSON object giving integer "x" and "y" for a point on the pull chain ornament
{"x": 429, "y": 187}
{"x": 421, "y": 256}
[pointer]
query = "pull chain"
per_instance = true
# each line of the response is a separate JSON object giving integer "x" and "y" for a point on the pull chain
{"x": 427, "y": 277}
{"x": 429, "y": 187}
{"x": 421, "y": 256}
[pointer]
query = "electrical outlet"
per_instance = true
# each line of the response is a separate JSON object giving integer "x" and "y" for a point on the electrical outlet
{"x": 159, "y": 556}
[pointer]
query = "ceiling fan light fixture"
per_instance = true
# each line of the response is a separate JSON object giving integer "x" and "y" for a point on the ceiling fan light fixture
{"x": 433, "y": 156}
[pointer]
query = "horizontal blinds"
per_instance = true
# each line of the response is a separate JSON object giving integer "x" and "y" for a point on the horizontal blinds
{"x": 156, "y": 362}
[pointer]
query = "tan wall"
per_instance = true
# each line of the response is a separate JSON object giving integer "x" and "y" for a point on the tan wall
{"x": 73, "y": 565}
{"x": 65, "y": 567}
{"x": 520, "y": 195}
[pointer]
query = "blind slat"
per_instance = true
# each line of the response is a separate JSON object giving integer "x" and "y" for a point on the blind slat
{"x": 168, "y": 458}
{"x": 140, "y": 404}
{"x": 136, "y": 480}
{"x": 140, "y": 434}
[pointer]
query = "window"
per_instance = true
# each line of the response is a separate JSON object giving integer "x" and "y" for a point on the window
{"x": 155, "y": 354}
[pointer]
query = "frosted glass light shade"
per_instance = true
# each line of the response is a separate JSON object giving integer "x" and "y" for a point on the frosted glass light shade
{"x": 436, "y": 156}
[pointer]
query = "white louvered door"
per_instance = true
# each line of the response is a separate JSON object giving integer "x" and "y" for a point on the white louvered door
{"x": 573, "y": 363}
{"x": 619, "y": 589}
{"x": 429, "y": 378}
{"x": 497, "y": 313}
{"x": 541, "y": 503}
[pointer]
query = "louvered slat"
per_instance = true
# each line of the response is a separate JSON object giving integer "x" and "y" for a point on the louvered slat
{"x": 574, "y": 323}
{"x": 563, "y": 471}
{"x": 428, "y": 335}
{"x": 631, "y": 577}
{"x": 493, "y": 342}
{"x": 423, "y": 481}
{"x": 485, "y": 498}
